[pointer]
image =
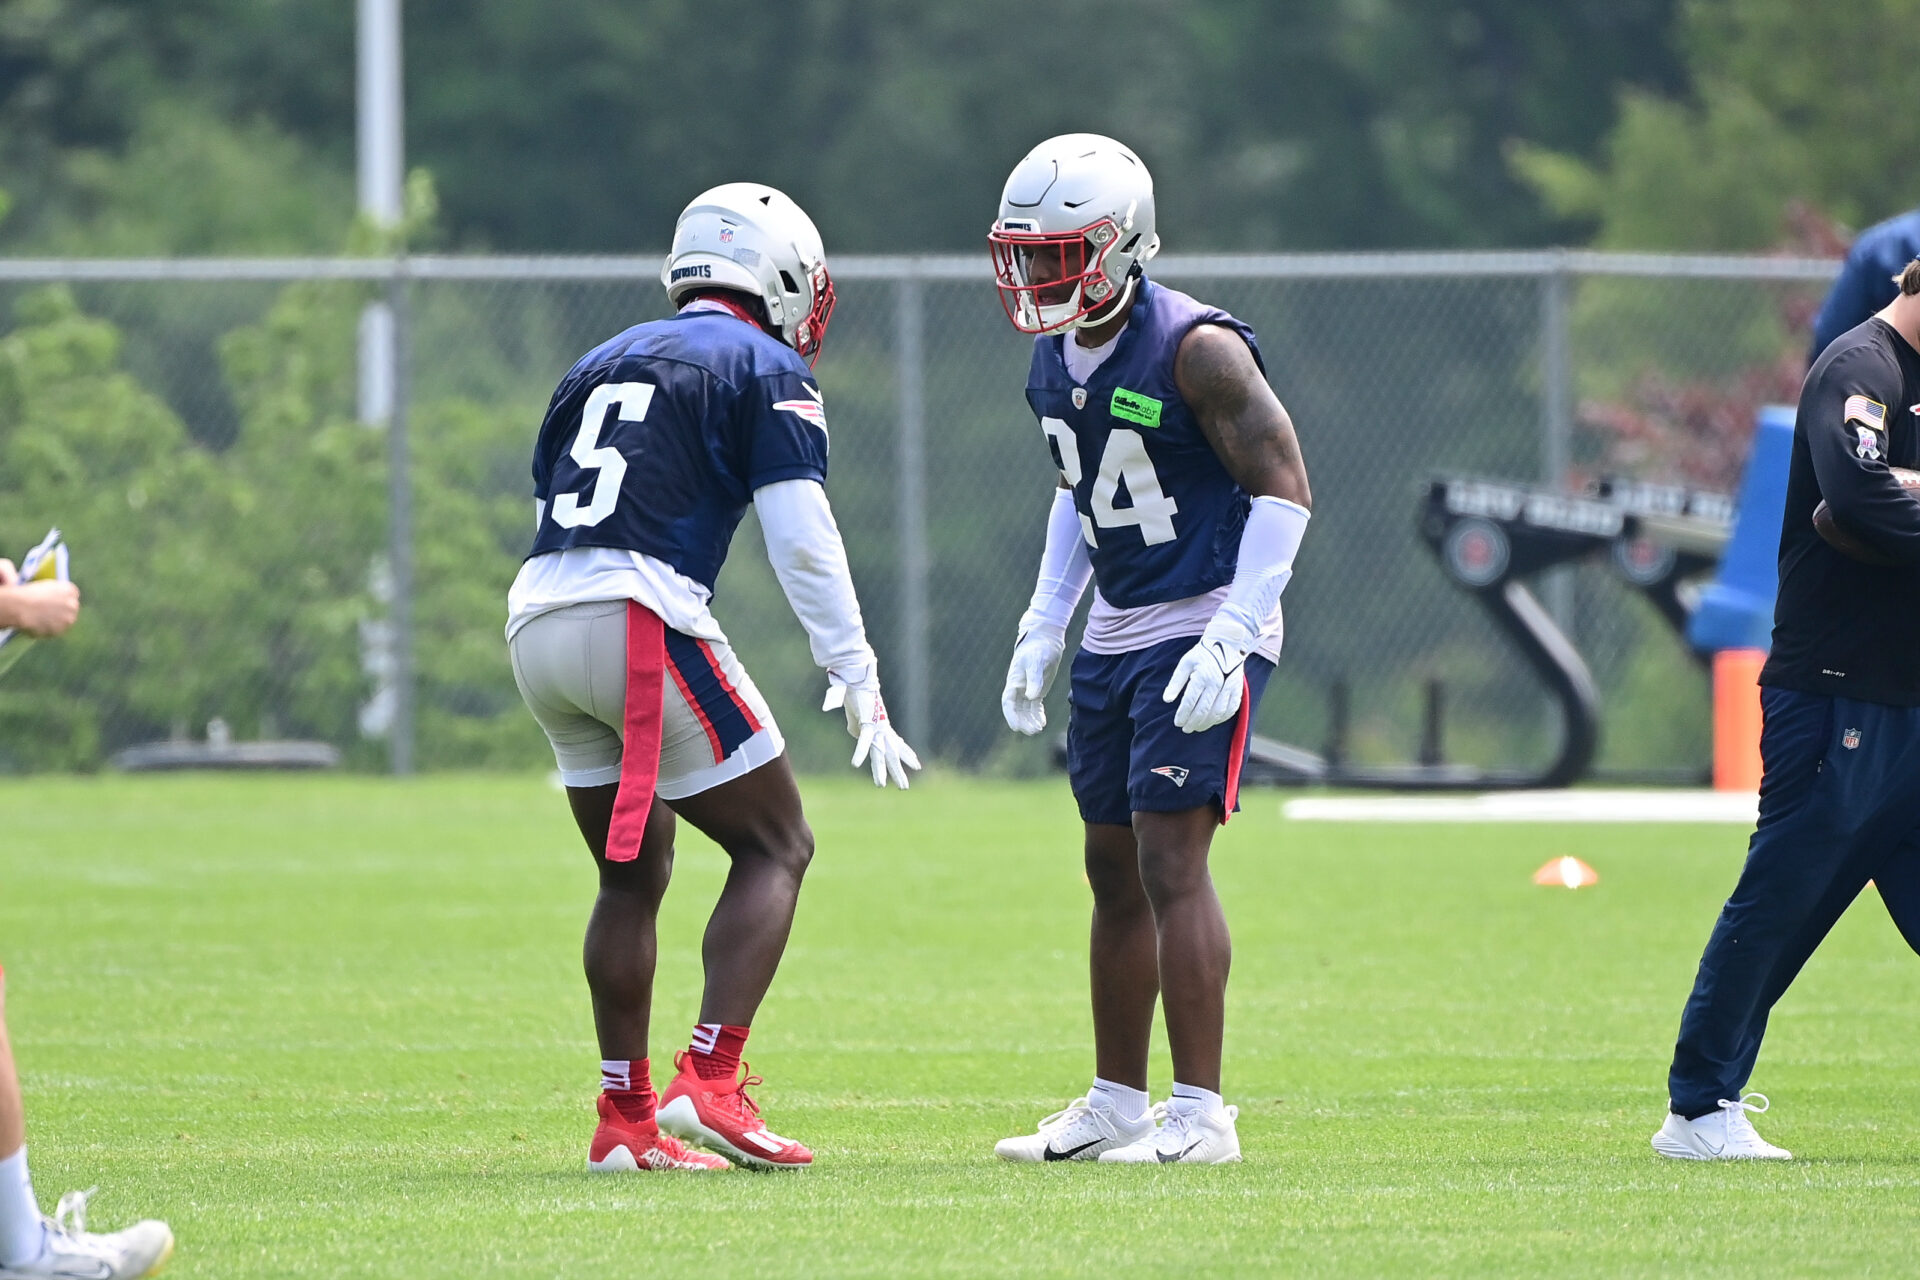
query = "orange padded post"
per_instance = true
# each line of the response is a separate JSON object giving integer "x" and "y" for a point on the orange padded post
{"x": 1736, "y": 719}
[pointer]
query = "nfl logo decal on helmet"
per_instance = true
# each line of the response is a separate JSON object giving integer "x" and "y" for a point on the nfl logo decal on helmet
{"x": 748, "y": 237}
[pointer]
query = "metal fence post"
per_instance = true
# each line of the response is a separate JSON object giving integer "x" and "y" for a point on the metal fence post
{"x": 1556, "y": 411}
{"x": 910, "y": 350}
{"x": 400, "y": 523}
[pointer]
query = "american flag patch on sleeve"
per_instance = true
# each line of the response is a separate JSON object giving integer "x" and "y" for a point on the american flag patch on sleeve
{"x": 1868, "y": 413}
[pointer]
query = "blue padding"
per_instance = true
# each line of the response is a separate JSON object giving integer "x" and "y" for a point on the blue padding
{"x": 1736, "y": 610}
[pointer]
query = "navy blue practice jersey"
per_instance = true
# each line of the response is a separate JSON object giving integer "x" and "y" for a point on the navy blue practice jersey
{"x": 656, "y": 440}
{"x": 1162, "y": 517}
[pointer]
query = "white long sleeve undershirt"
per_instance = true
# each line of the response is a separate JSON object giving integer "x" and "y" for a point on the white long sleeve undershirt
{"x": 1066, "y": 567}
{"x": 810, "y": 561}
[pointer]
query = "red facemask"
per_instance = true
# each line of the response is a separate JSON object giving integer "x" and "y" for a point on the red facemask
{"x": 812, "y": 331}
{"x": 1066, "y": 261}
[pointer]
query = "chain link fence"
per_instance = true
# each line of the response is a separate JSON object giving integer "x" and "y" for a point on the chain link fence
{"x": 254, "y": 554}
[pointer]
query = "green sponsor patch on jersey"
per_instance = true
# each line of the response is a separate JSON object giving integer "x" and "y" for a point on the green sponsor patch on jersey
{"x": 1135, "y": 407}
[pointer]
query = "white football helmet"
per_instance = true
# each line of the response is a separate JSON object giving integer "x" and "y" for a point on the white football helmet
{"x": 1076, "y": 220}
{"x": 749, "y": 237}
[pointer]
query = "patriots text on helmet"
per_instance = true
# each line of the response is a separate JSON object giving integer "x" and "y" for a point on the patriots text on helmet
{"x": 752, "y": 239}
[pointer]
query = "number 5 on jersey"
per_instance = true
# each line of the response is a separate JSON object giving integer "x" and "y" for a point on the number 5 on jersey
{"x": 1125, "y": 460}
{"x": 590, "y": 455}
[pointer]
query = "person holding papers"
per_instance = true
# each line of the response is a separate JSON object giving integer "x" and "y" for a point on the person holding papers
{"x": 37, "y": 608}
{"x": 32, "y": 1244}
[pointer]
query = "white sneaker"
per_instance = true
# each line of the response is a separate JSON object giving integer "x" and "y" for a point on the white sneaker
{"x": 1725, "y": 1134}
{"x": 1187, "y": 1135}
{"x": 74, "y": 1253}
{"x": 1082, "y": 1132}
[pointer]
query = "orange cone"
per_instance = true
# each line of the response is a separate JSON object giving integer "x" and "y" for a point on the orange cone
{"x": 1568, "y": 873}
{"x": 1736, "y": 719}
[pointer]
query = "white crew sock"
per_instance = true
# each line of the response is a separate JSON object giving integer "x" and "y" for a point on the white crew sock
{"x": 1128, "y": 1104}
{"x": 22, "y": 1238}
{"x": 1189, "y": 1098}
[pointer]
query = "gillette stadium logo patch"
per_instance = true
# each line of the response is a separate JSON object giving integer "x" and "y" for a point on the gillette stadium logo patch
{"x": 1172, "y": 773}
{"x": 1134, "y": 407}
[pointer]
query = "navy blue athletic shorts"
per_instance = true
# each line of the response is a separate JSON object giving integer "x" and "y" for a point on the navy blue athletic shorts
{"x": 1126, "y": 755}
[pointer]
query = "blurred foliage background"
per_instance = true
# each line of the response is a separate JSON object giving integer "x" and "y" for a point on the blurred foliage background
{"x": 198, "y": 443}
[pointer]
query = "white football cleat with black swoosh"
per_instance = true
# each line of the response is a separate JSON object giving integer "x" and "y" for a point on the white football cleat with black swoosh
{"x": 1187, "y": 1135}
{"x": 1083, "y": 1131}
{"x": 1725, "y": 1134}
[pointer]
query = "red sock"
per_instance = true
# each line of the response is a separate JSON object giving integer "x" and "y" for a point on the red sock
{"x": 628, "y": 1087}
{"x": 715, "y": 1051}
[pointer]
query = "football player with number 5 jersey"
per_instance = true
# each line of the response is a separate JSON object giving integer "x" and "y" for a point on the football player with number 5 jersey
{"x": 1183, "y": 498}
{"x": 652, "y": 449}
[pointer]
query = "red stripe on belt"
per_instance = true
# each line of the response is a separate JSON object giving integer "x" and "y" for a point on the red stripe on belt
{"x": 640, "y": 752}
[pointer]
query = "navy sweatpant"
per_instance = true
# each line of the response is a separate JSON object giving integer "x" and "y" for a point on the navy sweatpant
{"x": 1839, "y": 806}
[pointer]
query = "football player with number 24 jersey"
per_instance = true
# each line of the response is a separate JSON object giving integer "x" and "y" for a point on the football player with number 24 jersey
{"x": 1183, "y": 498}
{"x": 654, "y": 445}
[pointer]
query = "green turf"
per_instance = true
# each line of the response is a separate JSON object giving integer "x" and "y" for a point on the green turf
{"x": 336, "y": 1027}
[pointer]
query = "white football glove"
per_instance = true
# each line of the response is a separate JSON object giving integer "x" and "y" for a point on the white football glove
{"x": 1210, "y": 681}
{"x": 1035, "y": 658}
{"x": 877, "y": 744}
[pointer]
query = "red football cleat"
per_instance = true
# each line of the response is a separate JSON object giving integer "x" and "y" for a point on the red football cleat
{"x": 621, "y": 1145}
{"x": 719, "y": 1114}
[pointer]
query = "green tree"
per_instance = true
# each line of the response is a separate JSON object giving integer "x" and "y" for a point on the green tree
{"x": 227, "y": 125}
{"x": 83, "y": 446}
{"x": 1787, "y": 106}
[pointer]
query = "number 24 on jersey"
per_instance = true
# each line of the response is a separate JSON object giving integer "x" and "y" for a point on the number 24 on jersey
{"x": 1124, "y": 461}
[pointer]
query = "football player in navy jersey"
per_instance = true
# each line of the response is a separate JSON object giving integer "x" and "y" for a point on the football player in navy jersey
{"x": 652, "y": 449}
{"x": 1183, "y": 497}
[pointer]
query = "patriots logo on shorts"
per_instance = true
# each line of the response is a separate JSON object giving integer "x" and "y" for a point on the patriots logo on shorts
{"x": 1172, "y": 773}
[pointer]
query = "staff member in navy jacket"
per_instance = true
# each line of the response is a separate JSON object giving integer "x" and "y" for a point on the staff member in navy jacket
{"x": 1840, "y": 792}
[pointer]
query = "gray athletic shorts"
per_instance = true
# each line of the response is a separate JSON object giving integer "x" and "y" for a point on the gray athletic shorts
{"x": 571, "y": 666}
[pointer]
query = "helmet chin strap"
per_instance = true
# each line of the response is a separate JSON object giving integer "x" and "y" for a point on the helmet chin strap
{"x": 1094, "y": 319}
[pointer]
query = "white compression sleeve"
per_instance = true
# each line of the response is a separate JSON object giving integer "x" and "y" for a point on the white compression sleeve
{"x": 1065, "y": 569}
{"x": 803, "y": 542}
{"x": 1268, "y": 545}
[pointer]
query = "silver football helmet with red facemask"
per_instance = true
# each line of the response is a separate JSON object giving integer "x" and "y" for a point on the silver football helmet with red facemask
{"x": 1076, "y": 219}
{"x": 750, "y": 238}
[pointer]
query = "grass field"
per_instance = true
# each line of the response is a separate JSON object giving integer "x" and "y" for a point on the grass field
{"x": 336, "y": 1027}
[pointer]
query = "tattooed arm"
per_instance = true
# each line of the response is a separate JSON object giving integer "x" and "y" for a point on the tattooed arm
{"x": 1253, "y": 438}
{"x": 1239, "y": 414}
